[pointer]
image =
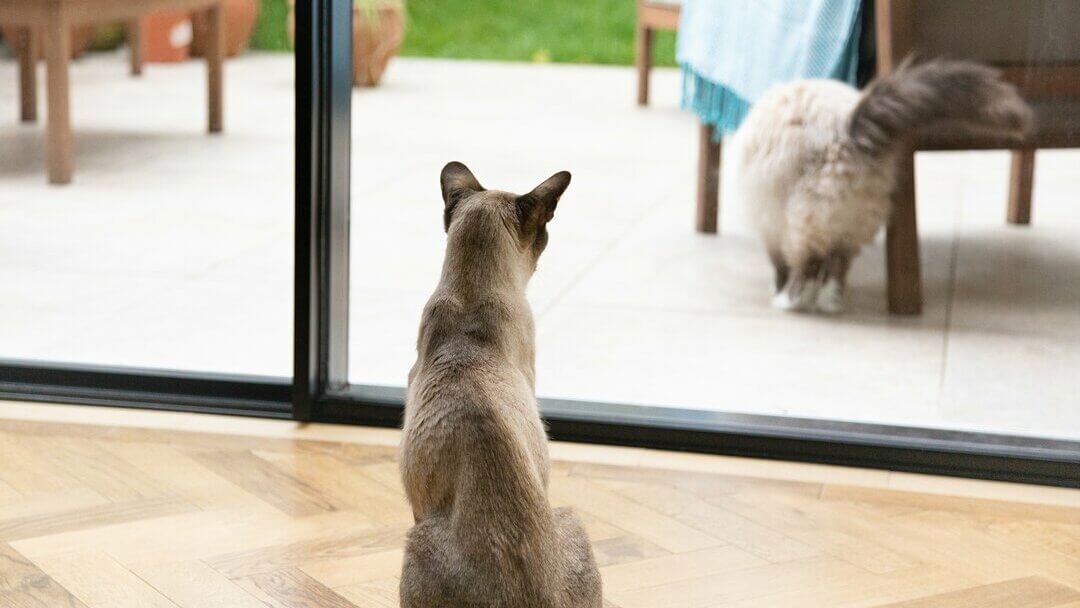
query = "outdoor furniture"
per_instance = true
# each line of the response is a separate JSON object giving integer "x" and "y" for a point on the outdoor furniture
{"x": 48, "y": 23}
{"x": 651, "y": 15}
{"x": 1036, "y": 44}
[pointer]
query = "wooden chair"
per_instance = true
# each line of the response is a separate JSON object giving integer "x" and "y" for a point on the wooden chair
{"x": 1036, "y": 44}
{"x": 48, "y": 23}
{"x": 651, "y": 15}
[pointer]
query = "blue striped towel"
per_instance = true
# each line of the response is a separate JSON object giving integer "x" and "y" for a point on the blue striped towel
{"x": 732, "y": 51}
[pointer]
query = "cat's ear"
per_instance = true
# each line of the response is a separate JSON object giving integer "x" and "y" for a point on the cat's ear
{"x": 457, "y": 183}
{"x": 543, "y": 199}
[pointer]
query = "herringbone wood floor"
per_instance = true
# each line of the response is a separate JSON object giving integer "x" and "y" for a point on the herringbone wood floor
{"x": 107, "y": 517}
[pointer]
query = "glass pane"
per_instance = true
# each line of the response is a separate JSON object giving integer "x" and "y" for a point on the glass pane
{"x": 637, "y": 302}
{"x": 171, "y": 247}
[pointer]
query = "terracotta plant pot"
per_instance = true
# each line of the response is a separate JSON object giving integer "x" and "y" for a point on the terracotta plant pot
{"x": 377, "y": 36}
{"x": 240, "y": 17}
{"x": 80, "y": 40}
{"x": 166, "y": 37}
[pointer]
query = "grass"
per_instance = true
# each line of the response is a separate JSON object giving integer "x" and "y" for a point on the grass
{"x": 269, "y": 34}
{"x": 565, "y": 31}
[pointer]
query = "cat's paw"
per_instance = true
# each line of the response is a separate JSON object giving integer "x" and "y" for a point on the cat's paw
{"x": 830, "y": 298}
{"x": 782, "y": 300}
{"x": 797, "y": 299}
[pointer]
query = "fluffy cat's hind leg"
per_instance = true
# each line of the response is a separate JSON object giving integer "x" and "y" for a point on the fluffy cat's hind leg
{"x": 800, "y": 291}
{"x": 830, "y": 298}
{"x": 781, "y": 271}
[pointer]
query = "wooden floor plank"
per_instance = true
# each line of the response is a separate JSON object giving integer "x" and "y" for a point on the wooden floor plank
{"x": 186, "y": 477}
{"x": 193, "y": 584}
{"x": 721, "y": 588}
{"x": 962, "y": 538}
{"x": 54, "y": 523}
{"x": 621, "y": 549}
{"x": 380, "y": 593}
{"x": 652, "y": 525}
{"x": 629, "y": 576}
{"x": 861, "y": 591}
{"x": 114, "y": 518}
{"x": 356, "y": 569}
{"x": 24, "y": 585}
{"x": 1031, "y": 592}
{"x": 263, "y": 479}
{"x": 269, "y": 559}
{"x": 51, "y": 503}
{"x": 27, "y": 471}
{"x": 768, "y": 543}
{"x": 292, "y": 588}
{"x": 808, "y": 521}
{"x": 116, "y": 479}
{"x": 342, "y": 484}
{"x": 101, "y": 582}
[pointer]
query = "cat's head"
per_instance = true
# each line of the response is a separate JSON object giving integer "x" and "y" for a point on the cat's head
{"x": 476, "y": 217}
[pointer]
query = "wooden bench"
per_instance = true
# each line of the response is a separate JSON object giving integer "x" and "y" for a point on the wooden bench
{"x": 48, "y": 23}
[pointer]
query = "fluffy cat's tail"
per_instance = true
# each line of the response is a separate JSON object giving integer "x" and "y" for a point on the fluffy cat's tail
{"x": 920, "y": 94}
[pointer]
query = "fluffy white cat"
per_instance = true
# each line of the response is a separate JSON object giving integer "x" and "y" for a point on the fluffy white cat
{"x": 816, "y": 162}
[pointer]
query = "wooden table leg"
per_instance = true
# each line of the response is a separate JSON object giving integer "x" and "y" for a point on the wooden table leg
{"x": 902, "y": 242}
{"x": 57, "y": 41}
{"x": 643, "y": 43}
{"x": 215, "y": 60}
{"x": 1020, "y": 184}
{"x": 708, "y": 178}
{"x": 133, "y": 32}
{"x": 28, "y": 55}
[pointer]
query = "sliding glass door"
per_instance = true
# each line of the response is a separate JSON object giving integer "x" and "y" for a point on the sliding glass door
{"x": 146, "y": 205}
{"x": 650, "y": 332}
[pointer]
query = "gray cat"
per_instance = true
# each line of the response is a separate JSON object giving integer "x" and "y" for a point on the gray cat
{"x": 474, "y": 457}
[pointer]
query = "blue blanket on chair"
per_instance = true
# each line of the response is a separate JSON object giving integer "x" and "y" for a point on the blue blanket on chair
{"x": 732, "y": 51}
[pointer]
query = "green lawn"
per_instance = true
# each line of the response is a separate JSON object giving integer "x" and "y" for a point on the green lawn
{"x": 270, "y": 34}
{"x": 571, "y": 31}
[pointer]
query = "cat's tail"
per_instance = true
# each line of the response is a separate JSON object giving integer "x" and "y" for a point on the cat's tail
{"x": 922, "y": 94}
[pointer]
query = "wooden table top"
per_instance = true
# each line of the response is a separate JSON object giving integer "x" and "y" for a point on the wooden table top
{"x": 78, "y": 12}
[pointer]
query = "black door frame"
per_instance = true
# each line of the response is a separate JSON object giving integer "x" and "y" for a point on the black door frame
{"x": 319, "y": 390}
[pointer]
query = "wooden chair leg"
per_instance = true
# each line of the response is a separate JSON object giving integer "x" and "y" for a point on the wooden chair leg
{"x": 215, "y": 60}
{"x": 59, "y": 151}
{"x": 902, "y": 242}
{"x": 708, "y": 186}
{"x": 1020, "y": 184}
{"x": 28, "y": 54}
{"x": 133, "y": 32}
{"x": 643, "y": 43}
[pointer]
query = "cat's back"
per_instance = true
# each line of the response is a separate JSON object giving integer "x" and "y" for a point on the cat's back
{"x": 470, "y": 419}
{"x": 793, "y": 122}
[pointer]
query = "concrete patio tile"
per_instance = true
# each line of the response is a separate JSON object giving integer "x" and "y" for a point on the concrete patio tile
{"x": 769, "y": 364}
{"x": 1015, "y": 383}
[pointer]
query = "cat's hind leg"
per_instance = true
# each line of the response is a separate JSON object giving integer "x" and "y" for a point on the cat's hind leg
{"x": 830, "y": 298}
{"x": 583, "y": 584}
{"x": 800, "y": 291}
{"x": 431, "y": 576}
{"x": 781, "y": 270}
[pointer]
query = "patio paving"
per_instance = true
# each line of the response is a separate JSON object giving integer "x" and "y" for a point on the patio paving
{"x": 172, "y": 249}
